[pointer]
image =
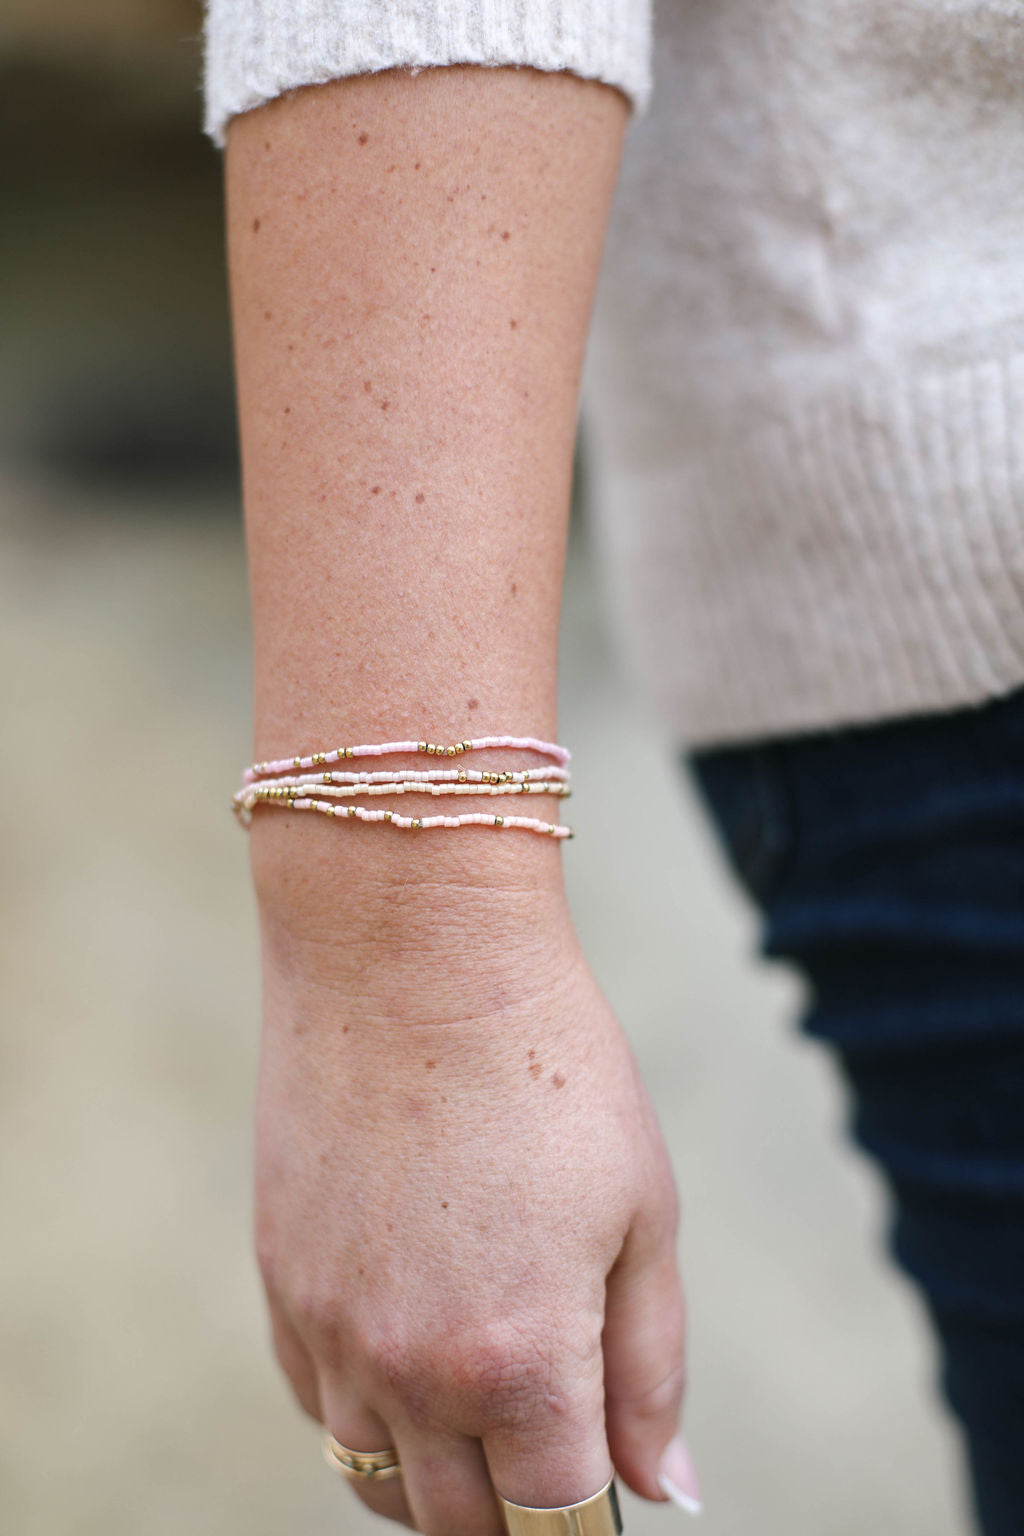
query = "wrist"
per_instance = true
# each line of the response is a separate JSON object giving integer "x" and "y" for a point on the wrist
{"x": 374, "y": 918}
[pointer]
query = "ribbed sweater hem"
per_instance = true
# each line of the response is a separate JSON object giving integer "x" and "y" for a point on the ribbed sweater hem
{"x": 258, "y": 49}
{"x": 853, "y": 557}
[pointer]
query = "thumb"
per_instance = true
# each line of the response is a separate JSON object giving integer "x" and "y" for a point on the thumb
{"x": 645, "y": 1372}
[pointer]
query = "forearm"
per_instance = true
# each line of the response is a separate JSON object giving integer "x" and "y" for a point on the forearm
{"x": 413, "y": 261}
{"x": 466, "y": 1232}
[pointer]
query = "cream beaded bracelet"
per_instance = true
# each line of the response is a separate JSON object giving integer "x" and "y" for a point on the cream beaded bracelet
{"x": 414, "y": 823}
{"x": 283, "y": 782}
{"x": 293, "y": 788}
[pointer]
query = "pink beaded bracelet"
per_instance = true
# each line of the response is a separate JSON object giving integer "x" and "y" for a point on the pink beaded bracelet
{"x": 387, "y": 748}
{"x": 289, "y": 783}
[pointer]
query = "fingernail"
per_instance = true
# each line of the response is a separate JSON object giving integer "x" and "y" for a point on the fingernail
{"x": 677, "y": 1477}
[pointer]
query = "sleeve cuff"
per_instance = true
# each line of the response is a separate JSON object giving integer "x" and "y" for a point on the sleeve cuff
{"x": 258, "y": 49}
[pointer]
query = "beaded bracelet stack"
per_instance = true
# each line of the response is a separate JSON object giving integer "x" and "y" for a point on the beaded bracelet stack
{"x": 312, "y": 783}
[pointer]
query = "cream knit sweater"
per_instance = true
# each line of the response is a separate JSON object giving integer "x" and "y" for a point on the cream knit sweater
{"x": 803, "y": 395}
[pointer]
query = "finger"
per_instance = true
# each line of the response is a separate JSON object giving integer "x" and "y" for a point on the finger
{"x": 447, "y": 1483}
{"x": 357, "y": 1426}
{"x": 644, "y": 1359}
{"x": 546, "y": 1444}
{"x": 294, "y": 1359}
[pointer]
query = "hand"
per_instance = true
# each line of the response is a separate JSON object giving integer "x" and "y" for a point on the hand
{"x": 466, "y": 1216}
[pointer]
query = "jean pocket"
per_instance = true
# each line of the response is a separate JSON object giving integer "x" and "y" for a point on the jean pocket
{"x": 746, "y": 791}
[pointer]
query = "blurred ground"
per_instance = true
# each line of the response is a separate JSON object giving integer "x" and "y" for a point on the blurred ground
{"x": 137, "y": 1391}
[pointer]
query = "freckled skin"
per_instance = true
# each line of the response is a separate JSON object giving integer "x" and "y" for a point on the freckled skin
{"x": 255, "y": 226}
{"x": 420, "y": 498}
{"x": 557, "y": 1080}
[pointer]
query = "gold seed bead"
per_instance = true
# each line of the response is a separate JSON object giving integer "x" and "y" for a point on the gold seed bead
{"x": 460, "y": 746}
{"x": 416, "y": 821}
{"x": 451, "y": 751}
{"x": 421, "y": 746}
{"x": 349, "y": 752}
{"x": 551, "y": 828}
{"x": 328, "y": 777}
{"x": 467, "y": 745}
{"x": 431, "y": 749}
{"x": 330, "y": 810}
{"x": 351, "y": 810}
{"x": 462, "y": 775}
{"x": 499, "y": 821}
{"x": 387, "y": 815}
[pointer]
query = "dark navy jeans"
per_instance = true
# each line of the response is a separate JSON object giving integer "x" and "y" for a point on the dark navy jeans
{"x": 888, "y": 863}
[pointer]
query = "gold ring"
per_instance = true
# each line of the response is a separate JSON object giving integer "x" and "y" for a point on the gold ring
{"x": 597, "y": 1516}
{"x": 371, "y": 1466}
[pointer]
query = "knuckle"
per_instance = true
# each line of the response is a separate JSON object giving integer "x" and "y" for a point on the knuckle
{"x": 521, "y": 1379}
{"x": 319, "y": 1315}
{"x": 662, "y": 1398}
{"x": 265, "y": 1248}
{"x": 403, "y": 1367}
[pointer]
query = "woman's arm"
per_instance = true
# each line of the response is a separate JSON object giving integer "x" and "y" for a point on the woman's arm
{"x": 465, "y": 1213}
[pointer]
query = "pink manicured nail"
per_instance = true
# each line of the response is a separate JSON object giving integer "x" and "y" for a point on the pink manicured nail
{"x": 677, "y": 1477}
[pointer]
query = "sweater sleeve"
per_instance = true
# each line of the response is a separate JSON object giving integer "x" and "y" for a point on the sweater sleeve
{"x": 257, "y": 49}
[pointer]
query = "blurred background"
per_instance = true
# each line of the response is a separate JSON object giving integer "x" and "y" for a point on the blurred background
{"x": 138, "y": 1396}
